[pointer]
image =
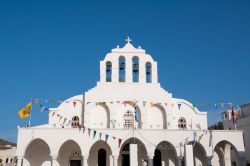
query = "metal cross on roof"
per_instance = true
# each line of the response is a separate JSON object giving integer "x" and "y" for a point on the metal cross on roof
{"x": 128, "y": 40}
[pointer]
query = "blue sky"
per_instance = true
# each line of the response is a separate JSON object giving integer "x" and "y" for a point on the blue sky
{"x": 51, "y": 49}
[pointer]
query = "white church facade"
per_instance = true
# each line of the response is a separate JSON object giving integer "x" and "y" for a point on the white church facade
{"x": 128, "y": 119}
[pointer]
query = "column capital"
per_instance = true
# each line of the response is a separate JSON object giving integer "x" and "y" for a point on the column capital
{"x": 179, "y": 157}
{"x": 115, "y": 156}
{"x": 53, "y": 156}
{"x": 150, "y": 156}
{"x": 20, "y": 156}
{"x": 85, "y": 157}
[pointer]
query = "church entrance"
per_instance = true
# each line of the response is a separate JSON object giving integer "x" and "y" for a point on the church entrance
{"x": 157, "y": 158}
{"x": 125, "y": 160}
{"x": 125, "y": 152}
{"x": 75, "y": 162}
{"x": 102, "y": 157}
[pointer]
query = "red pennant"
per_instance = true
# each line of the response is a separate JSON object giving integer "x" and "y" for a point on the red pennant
{"x": 74, "y": 103}
{"x": 53, "y": 113}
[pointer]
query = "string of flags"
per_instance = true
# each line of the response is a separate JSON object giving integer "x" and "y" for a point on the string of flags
{"x": 222, "y": 105}
{"x": 25, "y": 111}
{"x": 83, "y": 129}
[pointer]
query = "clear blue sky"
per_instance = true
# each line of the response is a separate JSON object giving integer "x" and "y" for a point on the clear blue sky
{"x": 51, "y": 49}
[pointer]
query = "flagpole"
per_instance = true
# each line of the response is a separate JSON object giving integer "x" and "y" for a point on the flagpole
{"x": 30, "y": 113}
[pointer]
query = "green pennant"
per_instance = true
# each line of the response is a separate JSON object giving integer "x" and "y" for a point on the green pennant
{"x": 94, "y": 134}
{"x": 193, "y": 105}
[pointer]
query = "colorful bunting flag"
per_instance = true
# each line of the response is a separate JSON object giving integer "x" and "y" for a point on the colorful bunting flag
{"x": 74, "y": 103}
{"x": 179, "y": 106}
{"x": 83, "y": 130}
{"x": 89, "y": 130}
{"x": 106, "y": 138}
{"x": 94, "y": 134}
{"x": 119, "y": 142}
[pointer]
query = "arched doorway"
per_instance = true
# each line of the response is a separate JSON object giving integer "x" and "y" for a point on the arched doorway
{"x": 124, "y": 157}
{"x": 226, "y": 154}
{"x": 102, "y": 155}
{"x": 166, "y": 154}
{"x": 37, "y": 153}
{"x": 70, "y": 154}
{"x": 99, "y": 154}
{"x": 199, "y": 154}
{"x": 157, "y": 158}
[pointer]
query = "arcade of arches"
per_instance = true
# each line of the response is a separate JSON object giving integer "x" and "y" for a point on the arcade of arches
{"x": 100, "y": 154}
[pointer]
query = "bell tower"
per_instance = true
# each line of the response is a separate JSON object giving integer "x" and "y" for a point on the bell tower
{"x": 128, "y": 65}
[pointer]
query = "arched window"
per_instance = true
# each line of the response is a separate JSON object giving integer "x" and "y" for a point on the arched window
{"x": 108, "y": 71}
{"x": 128, "y": 120}
{"x": 75, "y": 122}
{"x": 135, "y": 69}
{"x": 148, "y": 72}
{"x": 122, "y": 69}
{"x": 182, "y": 123}
{"x": 102, "y": 157}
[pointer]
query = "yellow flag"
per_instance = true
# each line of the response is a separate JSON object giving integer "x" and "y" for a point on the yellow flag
{"x": 25, "y": 111}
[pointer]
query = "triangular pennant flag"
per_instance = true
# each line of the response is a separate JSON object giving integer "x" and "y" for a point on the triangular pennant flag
{"x": 222, "y": 105}
{"x": 94, "y": 134}
{"x": 42, "y": 109}
{"x": 119, "y": 142}
{"x": 106, "y": 138}
{"x": 179, "y": 106}
{"x": 53, "y": 113}
{"x": 100, "y": 135}
{"x": 64, "y": 120}
{"x": 74, "y": 103}
{"x": 111, "y": 102}
{"x": 60, "y": 118}
{"x": 89, "y": 130}
{"x": 79, "y": 126}
{"x": 144, "y": 103}
{"x": 57, "y": 115}
{"x": 114, "y": 137}
{"x": 193, "y": 105}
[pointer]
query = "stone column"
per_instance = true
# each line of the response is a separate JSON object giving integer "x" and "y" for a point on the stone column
{"x": 151, "y": 160}
{"x": 227, "y": 161}
{"x": 242, "y": 160}
{"x": 189, "y": 158}
{"x": 179, "y": 160}
{"x": 54, "y": 160}
{"x": 19, "y": 160}
{"x": 133, "y": 151}
{"x": 115, "y": 160}
{"x": 85, "y": 160}
{"x": 128, "y": 70}
{"x": 209, "y": 160}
